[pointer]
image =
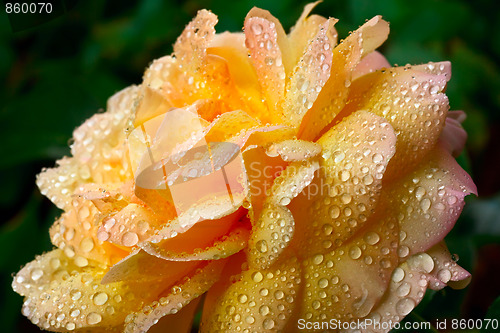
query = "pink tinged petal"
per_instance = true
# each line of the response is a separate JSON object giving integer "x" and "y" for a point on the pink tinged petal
{"x": 270, "y": 236}
{"x": 346, "y": 57}
{"x": 412, "y": 102}
{"x": 191, "y": 46}
{"x": 371, "y": 62}
{"x": 171, "y": 301}
{"x": 310, "y": 74}
{"x": 406, "y": 289}
{"x": 442, "y": 68}
{"x": 142, "y": 267}
{"x": 347, "y": 187}
{"x": 454, "y": 136}
{"x": 446, "y": 270}
{"x": 305, "y": 29}
{"x": 267, "y": 57}
{"x": 257, "y": 300}
{"x": 294, "y": 150}
{"x": 98, "y": 156}
{"x": 348, "y": 282}
{"x": 428, "y": 201}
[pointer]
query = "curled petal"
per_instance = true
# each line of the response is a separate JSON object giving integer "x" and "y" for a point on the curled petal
{"x": 446, "y": 270}
{"x": 214, "y": 244}
{"x": 406, "y": 289}
{"x": 139, "y": 266}
{"x": 453, "y": 136}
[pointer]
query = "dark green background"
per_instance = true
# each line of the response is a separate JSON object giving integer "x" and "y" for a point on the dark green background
{"x": 57, "y": 74}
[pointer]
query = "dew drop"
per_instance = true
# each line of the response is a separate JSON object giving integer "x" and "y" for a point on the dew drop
{"x": 93, "y": 318}
{"x": 130, "y": 238}
{"x": 404, "y": 306}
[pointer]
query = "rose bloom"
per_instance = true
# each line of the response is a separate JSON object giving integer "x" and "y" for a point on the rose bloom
{"x": 285, "y": 177}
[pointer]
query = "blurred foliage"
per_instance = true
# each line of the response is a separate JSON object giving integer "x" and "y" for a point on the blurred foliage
{"x": 59, "y": 73}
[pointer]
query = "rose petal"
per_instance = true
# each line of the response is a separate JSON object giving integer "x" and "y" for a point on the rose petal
{"x": 191, "y": 46}
{"x": 271, "y": 234}
{"x": 305, "y": 29}
{"x": 294, "y": 150}
{"x": 173, "y": 300}
{"x": 310, "y": 74}
{"x": 346, "y": 189}
{"x": 406, "y": 289}
{"x": 436, "y": 68}
{"x": 180, "y": 322}
{"x": 453, "y": 136}
{"x": 140, "y": 266}
{"x": 446, "y": 270}
{"x": 348, "y": 282}
{"x": 268, "y": 46}
{"x": 346, "y": 57}
{"x": 75, "y": 232}
{"x": 257, "y": 300}
{"x": 85, "y": 302}
{"x": 97, "y": 150}
{"x": 428, "y": 201}
{"x": 371, "y": 62}
{"x": 413, "y": 104}
{"x": 208, "y": 240}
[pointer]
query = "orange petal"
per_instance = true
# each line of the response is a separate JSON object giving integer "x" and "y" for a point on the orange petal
{"x": 348, "y": 282}
{"x": 177, "y": 297}
{"x": 347, "y": 187}
{"x": 413, "y": 104}
{"x": 267, "y": 44}
{"x": 256, "y": 300}
{"x": 346, "y": 57}
{"x": 428, "y": 201}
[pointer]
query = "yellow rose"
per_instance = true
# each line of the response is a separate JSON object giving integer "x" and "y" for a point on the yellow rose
{"x": 292, "y": 179}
